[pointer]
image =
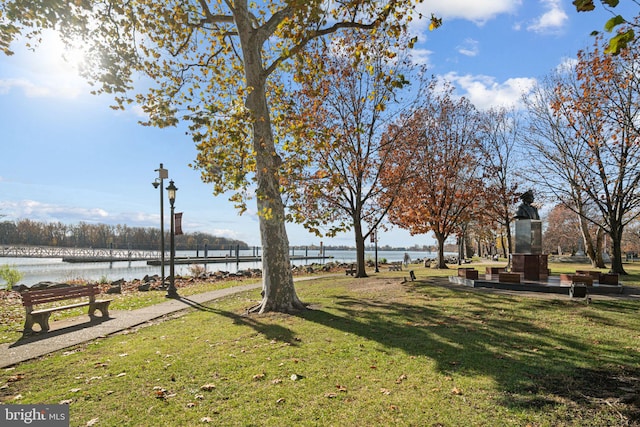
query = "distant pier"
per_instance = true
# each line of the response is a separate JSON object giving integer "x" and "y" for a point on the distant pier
{"x": 89, "y": 255}
{"x": 78, "y": 254}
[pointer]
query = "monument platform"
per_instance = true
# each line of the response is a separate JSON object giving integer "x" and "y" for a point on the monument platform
{"x": 551, "y": 284}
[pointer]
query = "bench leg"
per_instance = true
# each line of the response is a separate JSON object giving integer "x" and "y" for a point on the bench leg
{"x": 28, "y": 324}
{"x": 102, "y": 306}
{"x": 41, "y": 319}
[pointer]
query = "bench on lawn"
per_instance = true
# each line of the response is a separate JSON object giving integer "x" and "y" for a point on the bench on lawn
{"x": 351, "y": 271}
{"x": 43, "y": 296}
{"x": 396, "y": 266}
{"x": 468, "y": 273}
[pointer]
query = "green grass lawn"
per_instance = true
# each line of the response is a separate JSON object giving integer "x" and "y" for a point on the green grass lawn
{"x": 369, "y": 352}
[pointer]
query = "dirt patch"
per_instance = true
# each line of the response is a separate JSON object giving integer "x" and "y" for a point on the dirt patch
{"x": 377, "y": 284}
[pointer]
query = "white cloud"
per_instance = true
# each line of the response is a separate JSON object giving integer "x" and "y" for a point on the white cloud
{"x": 484, "y": 92}
{"x": 46, "y": 212}
{"x": 567, "y": 64}
{"x": 553, "y": 20}
{"x": 39, "y": 211}
{"x": 421, "y": 56}
{"x": 478, "y": 11}
{"x": 469, "y": 47}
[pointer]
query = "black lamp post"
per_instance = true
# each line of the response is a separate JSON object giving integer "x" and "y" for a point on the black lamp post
{"x": 162, "y": 174}
{"x": 375, "y": 239}
{"x": 171, "y": 291}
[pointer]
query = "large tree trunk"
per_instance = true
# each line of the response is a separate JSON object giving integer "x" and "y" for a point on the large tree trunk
{"x": 441, "y": 238}
{"x": 278, "y": 291}
{"x": 616, "y": 249}
{"x": 361, "y": 270}
{"x": 599, "y": 259}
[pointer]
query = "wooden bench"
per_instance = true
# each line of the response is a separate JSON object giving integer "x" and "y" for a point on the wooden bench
{"x": 395, "y": 266}
{"x": 492, "y": 273}
{"x": 351, "y": 271}
{"x": 31, "y": 298}
{"x": 468, "y": 273}
{"x": 591, "y": 273}
{"x": 608, "y": 279}
{"x": 587, "y": 280}
{"x": 509, "y": 277}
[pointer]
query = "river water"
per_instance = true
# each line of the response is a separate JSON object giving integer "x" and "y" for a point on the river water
{"x": 36, "y": 270}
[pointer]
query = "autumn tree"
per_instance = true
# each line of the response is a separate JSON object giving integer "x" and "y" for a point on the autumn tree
{"x": 558, "y": 155}
{"x": 220, "y": 66}
{"x": 562, "y": 232}
{"x": 588, "y": 138}
{"x": 500, "y": 136}
{"x": 440, "y": 147}
{"x": 348, "y": 114}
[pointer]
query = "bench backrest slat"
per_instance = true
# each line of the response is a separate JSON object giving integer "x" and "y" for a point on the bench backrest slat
{"x": 42, "y": 296}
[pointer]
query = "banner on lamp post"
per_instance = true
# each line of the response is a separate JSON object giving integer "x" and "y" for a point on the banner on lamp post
{"x": 178, "y": 223}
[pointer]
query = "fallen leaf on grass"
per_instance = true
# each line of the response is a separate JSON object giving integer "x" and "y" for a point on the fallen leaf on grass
{"x": 206, "y": 419}
{"x": 394, "y": 408}
{"x": 281, "y": 400}
{"x": 296, "y": 377}
{"x": 331, "y": 395}
{"x": 66, "y": 402}
{"x": 456, "y": 391}
{"x": 385, "y": 391}
{"x": 258, "y": 377}
{"x": 401, "y": 378}
{"x": 341, "y": 388}
{"x": 92, "y": 422}
{"x": 208, "y": 387}
{"x": 191, "y": 405}
{"x": 15, "y": 378}
{"x": 162, "y": 393}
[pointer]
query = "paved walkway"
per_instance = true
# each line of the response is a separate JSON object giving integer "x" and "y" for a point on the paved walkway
{"x": 76, "y": 331}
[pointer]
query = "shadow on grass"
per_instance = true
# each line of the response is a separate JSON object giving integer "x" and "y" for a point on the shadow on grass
{"x": 534, "y": 364}
{"x": 39, "y": 335}
{"x": 270, "y": 330}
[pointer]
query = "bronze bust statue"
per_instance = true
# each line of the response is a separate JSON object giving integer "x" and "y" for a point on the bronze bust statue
{"x": 526, "y": 210}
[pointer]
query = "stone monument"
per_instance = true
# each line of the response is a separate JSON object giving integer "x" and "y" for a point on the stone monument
{"x": 527, "y": 258}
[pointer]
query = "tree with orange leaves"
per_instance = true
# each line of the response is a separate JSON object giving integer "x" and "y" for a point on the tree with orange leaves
{"x": 440, "y": 149}
{"x": 590, "y": 140}
{"x": 346, "y": 117}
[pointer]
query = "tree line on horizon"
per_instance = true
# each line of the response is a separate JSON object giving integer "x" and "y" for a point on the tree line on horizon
{"x": 84, "y": 235}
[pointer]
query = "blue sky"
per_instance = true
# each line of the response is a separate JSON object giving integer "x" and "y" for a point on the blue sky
{"x": 67, "y": 157}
